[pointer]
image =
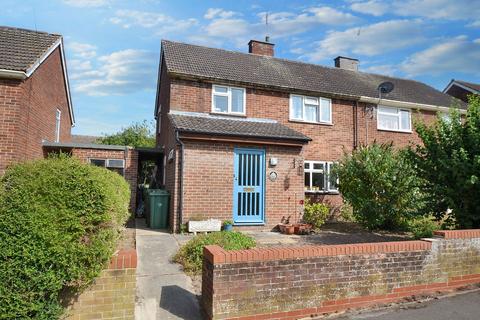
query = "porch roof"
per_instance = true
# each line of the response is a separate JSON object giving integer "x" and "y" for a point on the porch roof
{"x": 190, "y": 122}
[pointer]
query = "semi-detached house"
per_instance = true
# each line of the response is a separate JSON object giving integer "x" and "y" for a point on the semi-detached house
{"x": 246, "y": 136}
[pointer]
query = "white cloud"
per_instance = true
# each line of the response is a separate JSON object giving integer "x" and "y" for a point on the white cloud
{"x": 162, "y": 23}
{"x": 432, "y": 9}
{"x": 118, "y": 73}
{"x": 218, "y": 13}
{"x": 86, "y": 3}
{"x": 459, "y": 55}
{"x": 229, "y": 26}
{"x": 82, "y": 50}
{"x": 370, "y": 40}
{"x": 374, "y": 7}
{"x": 383, "y": 69}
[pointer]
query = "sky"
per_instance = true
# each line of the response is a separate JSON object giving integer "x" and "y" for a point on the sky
{"x": 113, "y": 46}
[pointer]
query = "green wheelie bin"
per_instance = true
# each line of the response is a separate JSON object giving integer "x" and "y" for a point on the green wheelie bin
{"x": 157, "y": 208}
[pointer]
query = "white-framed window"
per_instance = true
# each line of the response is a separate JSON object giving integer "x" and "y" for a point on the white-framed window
{"x": 117, "y": 165}
{"x": 230, "y": 100}
{"x": 394, "y": 119}
{"x": 310, "y": 109}
{"x": 58, "y": 120}
{"x": 318, "y": 177}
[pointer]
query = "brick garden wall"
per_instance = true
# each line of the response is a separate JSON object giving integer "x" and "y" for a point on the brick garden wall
{"x": 293, "y": 283}
{"x": 112, "y": 295}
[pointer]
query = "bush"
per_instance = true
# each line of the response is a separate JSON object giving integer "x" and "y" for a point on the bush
{"x": 448, "y": 161}
{"x": 423, "y": 226}
{"x": 190, "y": 255}
{"x": 59, "y": 221}
{"x": 315, "y": 214}
{"x": 381, "y": 186}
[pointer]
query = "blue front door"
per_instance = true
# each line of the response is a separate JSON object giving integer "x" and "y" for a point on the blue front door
{"x": 248, "y": 186}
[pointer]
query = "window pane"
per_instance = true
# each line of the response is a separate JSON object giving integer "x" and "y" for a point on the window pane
{"x": 237, "y": 100}
{"x": 332, "y": 179}
{"x": 297, "y": 107}
{"x": 313, "y": 101}
{"x": 311, "y": 113}
{"x": 325, "y": 111}
{"x": 220, "y": 89}
{"x": 387, "y": 110}
{"x": 388, "y": 122}
{"x": 318, "y": 181}
{"x": 307, "y": 180}
{"x": 318, "y": 166}
{"x": 307, "y": 165}
{"x": 405, "y": 119}
{"x": 115, "y": 163}
{"x": 220, "y": 103}
{"x": 98, "y": 162}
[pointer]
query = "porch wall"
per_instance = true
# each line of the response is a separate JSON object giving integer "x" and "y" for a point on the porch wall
{"x": 208, "y": 182}
{"x": 299, "y": 282}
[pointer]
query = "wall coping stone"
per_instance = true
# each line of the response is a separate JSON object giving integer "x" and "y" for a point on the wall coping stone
{"x": 458, "y": 234}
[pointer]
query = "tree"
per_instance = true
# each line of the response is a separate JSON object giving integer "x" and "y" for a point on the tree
{"x": 381, "y": 185}
{"x": 448, "y": 160}
{"x": 139, "y": 134}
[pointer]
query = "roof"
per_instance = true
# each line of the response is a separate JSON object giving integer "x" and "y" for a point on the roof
{"x": 473, "y": 86}
{"x": 191, "y": 122}
{"x": 20, "y": 49}
{"x": 218, "y": 64}
{"x": 78, "y": 138}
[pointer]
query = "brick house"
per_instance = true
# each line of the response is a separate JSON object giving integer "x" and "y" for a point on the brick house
{"x": 35, "y": 102}
{"x": 462, "y": 89}
{"x": 246, "y": 135}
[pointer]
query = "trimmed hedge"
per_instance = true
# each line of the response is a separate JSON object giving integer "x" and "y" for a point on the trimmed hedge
{"x": 59, "y": 223}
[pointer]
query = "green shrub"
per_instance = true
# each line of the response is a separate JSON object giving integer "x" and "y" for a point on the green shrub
{"x": 448, "y": 161}
{"x": 346, "y": 213}
{"x": 423, "y": 226}
{"x": 190, "y": 255}
{"x": 315, "y": 214}
{"x": 381, "y": 186}
{"x": 59, "y": 222}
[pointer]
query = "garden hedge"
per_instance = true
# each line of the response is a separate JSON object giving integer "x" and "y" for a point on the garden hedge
{"x": 59, "y": 223}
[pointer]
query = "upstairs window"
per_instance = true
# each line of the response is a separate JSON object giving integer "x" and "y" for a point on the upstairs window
{"x": 117, "y": 165}
{"x": 310, "y": 109}
{"x": 58, "y": 119}
{"x": 229, "y": 100}
{"x": 394, "y": 119}
{"x": 318, "y": 177}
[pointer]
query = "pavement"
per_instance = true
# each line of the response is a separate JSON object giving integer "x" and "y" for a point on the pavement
{"x": 163, "y": 290}
{"x": 465, "y": 306}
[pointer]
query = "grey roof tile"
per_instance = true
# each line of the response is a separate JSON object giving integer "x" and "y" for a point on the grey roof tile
{"x": 21, "y": 48}
{"x": 210, "y": 63}
{"x": 473, "y": 86}
{"x": 240, "y": 127}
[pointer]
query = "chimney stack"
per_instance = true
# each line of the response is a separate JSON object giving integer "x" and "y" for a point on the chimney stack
{"x": 346, "y": 63}
{"x": 263, "y": 48}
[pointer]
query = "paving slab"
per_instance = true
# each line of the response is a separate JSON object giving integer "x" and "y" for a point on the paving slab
{"x": 163, "y": 290}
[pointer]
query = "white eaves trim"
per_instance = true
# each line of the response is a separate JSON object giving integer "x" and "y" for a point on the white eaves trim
{"x": 453, "y": 82}
{"x": 12, "y": 74}
{"x": 407, "y": 105}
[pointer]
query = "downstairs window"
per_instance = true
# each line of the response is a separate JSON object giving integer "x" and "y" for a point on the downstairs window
{"x": 318, "y": 177}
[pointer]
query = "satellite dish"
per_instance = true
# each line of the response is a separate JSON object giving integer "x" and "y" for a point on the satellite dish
{"x": 385, "y": 87}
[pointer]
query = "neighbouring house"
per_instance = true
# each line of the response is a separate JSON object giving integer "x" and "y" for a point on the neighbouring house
{"x": 461, "y": 89}
{"x": 35, "y": 102}
{"x": 246, "y": 136}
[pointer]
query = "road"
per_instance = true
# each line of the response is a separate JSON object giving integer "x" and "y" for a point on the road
{"x": 464, "y": 306}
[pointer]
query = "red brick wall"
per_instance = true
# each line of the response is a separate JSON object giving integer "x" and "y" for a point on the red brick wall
{"x": 30, "y": 110}
{"x": 208, "y": 182}
{"x": 299, "y": 282}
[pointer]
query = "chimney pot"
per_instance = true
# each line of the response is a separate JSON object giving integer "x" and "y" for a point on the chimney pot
{"x": 346, "y": 63}
{"x": 263, "y": 48}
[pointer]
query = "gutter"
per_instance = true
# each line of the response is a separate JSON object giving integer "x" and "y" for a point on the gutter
{"x": 408, "y": 105}
{"x": 182, "y": 155}
{"x": 11, "y": 74}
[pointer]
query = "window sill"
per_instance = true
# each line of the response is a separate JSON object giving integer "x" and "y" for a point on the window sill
{"x": 225, "y": 114}
{"x": 311, "y": 122}
{"x": 322, "y": 192}
{"x": 398, "y": 131}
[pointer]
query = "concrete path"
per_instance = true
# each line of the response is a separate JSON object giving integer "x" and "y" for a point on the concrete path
{"x": 464, "y": 306}
{"x": 163, "y": 290}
